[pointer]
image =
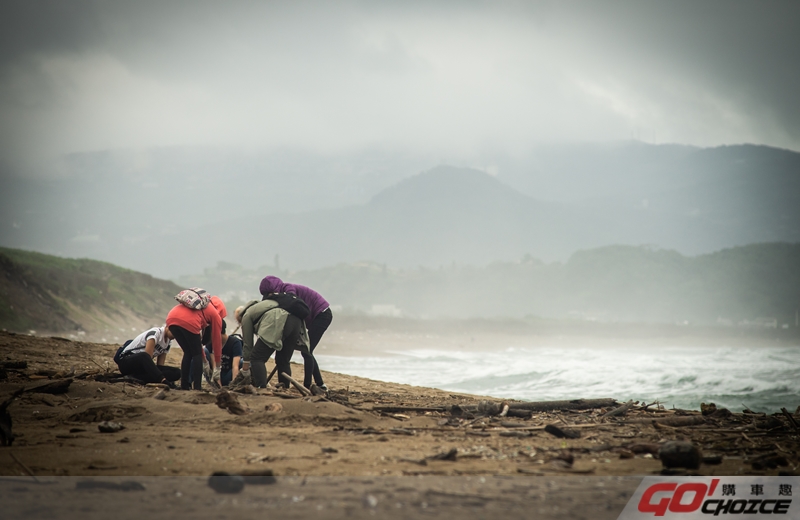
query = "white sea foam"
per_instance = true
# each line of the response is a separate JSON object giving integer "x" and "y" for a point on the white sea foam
{"x": 762, "y": 378}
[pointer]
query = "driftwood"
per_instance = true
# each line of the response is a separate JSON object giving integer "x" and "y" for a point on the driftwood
{"x": 685, "y": 420}
{"x": 525, "y": 409}
{"x": 562, "y": 433}
{"x": 14, "y": 365}
{"x": 23, "y": 466}
{"x": 791, "y": 419}
{"x": 575, "y": 404}
{"x": 622, "y": 410}
{"x": 300, "y": 388}
{"x": 271, "y": 374}
{"x": 59, "y": 386}
{"x": 394, "y": 409}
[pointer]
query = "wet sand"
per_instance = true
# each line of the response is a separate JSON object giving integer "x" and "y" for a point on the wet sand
{"x": 348, "y": 442}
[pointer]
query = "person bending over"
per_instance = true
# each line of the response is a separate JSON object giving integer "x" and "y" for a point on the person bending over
{"x": 231, "y": 361}
{"x": 266, "y": 328}
{"x": 187, "y": 325}
{"x": 317, "y": 321}
{"x": 135, "y": 357}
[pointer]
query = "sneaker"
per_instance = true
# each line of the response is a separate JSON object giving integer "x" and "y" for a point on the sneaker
{"x": 324, "y": 388}
{"x": 170, "y": 384}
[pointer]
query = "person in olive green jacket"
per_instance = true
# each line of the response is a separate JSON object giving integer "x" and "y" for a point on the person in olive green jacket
{"x": 276, "y": 331}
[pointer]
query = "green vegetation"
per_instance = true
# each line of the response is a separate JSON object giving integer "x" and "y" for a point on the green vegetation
{"x": 43, "y": 292}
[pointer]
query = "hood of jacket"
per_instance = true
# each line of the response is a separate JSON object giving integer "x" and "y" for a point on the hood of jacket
{"x": 220, "y": 306}
{"x": 271, "y": 284}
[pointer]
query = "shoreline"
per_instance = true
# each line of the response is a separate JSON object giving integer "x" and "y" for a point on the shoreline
{"x": 351, "y": 433}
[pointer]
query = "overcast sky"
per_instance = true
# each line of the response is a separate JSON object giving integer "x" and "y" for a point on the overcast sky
{"x": 453, "y": 78}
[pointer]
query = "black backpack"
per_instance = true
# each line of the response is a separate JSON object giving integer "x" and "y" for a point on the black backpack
{"x": 290, "y": 303}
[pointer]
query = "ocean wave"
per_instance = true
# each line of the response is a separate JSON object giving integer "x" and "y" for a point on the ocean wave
{"x": 764, "y": 378}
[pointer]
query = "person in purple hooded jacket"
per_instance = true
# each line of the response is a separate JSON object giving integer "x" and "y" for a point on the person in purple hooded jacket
{"x": 317, "y": 321}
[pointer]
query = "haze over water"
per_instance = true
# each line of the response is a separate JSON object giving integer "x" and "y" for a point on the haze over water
{"x": 763, "y": 378}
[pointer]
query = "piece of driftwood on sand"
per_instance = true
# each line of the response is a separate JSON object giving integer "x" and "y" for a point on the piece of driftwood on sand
{"x": 300, "y": 388}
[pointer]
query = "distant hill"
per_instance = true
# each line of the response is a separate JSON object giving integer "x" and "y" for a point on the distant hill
{"x": 465, "y": 216}
{"x": 60, "y": 295}
{"x": 753, "y": 286}
{"x": 173, "y": 212}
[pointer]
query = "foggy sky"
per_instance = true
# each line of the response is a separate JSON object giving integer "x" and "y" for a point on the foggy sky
{"x": 447, "y": 78}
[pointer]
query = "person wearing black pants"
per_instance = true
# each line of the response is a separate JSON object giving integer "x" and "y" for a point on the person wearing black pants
{"x": 315, "y": 331}
{"x": 135, "y": 357}
{"x": 192, "y": 346}
{"x": 141, "y": 367}
{"x": 261, "y": 353}
{"x": 273, "y": 329}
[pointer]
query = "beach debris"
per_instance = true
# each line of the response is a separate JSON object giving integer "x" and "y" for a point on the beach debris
{"x": 562, "y": 433}
{"x": 518, "y": 434}
{"x": 770, "y": 423}
{"x": 6, "y": 435}
{"x": 770, "y": 460}
{"x": 274, "y": 408}
{"x": 421, "y": 462}
{"x": 455, "y": 410}
{"x": 315, "y": 390}
{"x": 110, "y": 427}
{"x": 622, "y": 410}
{"x": 708, "y": 409}
{"x": 451, "y": 455}
{"x": 59, "y": 386}
{"x": 680, "y": 454}
{"x": 240, "y": 381}
{"x": 683, "y": 420}
{"x": 14, "y": 365}
{"x": 791, "y": 419}
{"x": 300, "y": 388}
{"x": 712, "y": 460}
{"x": 128, "y": 485}
{"x": 564, "y": 457}
{"x": 626, "y": 454}
{"x": 369, "y": 501}
{"x": 574, "y": 404}
{"x": 227, "y": 401}
{"x": 402, "y": 431}
{"x": 160, "y": 395}
{"x": 493, "y": 408}
{"x": 24, "y": 467}
{"x": 107, "y": 412}
{"x": 222, "y": 482}
{"x": 528, "y": 471}
{"x": 329, "y": 450}
{"x": 271, "y": 375}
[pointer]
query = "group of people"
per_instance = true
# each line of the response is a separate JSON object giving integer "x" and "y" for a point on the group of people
{"x": 289, "y": 317}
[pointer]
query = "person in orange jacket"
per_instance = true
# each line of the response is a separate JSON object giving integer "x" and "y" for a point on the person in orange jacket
{"x": 187, "y": 326}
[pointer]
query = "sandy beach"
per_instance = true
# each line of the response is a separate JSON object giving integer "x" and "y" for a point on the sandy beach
{"x": 364, "y": 429}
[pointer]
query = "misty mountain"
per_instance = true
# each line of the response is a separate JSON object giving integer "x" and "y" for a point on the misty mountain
{"x": 465, "y": 216}
{"x": 177, "y": 211}
{"x": 747, "y": 287}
